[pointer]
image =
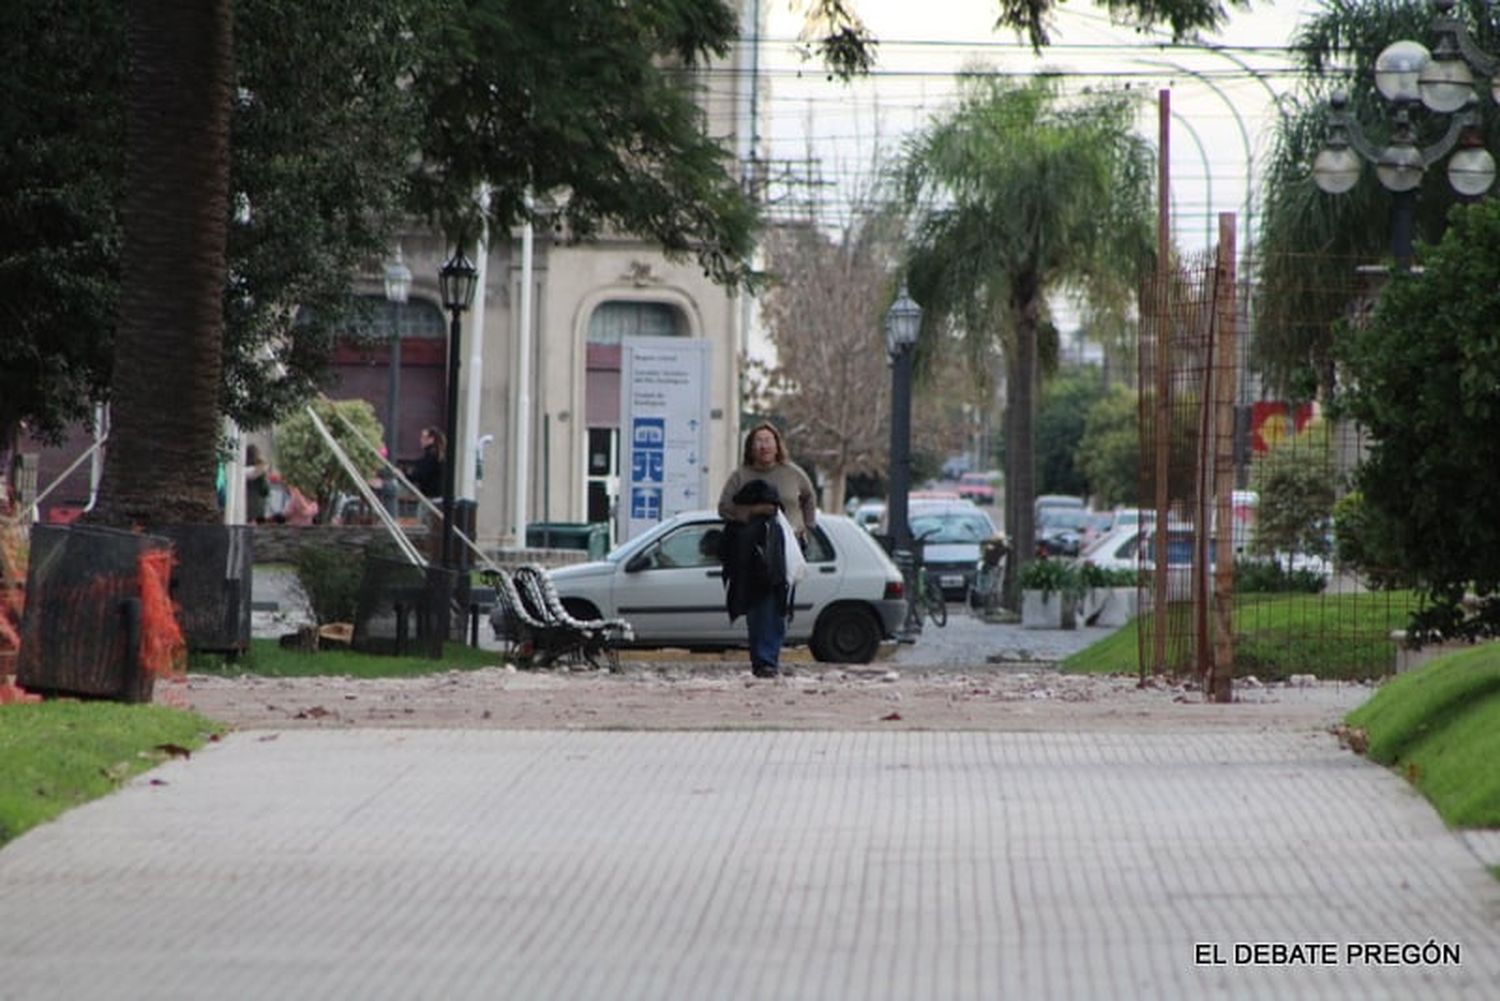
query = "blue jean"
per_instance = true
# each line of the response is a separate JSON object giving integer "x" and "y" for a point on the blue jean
{"x": 767, "y": 628}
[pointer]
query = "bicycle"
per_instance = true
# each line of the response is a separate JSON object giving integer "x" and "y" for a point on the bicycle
{"x": 924, "y": 598}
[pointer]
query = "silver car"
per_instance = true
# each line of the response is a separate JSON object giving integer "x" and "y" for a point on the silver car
{"x": 666, "y": 583}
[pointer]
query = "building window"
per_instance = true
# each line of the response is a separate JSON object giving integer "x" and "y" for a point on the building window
{"x": 374, "y": 317}
{"x": 618, "y": 319}
{"x": 419, "y": 318}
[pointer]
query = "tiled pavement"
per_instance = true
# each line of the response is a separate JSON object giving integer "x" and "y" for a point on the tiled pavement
{"x": 491, "y": 864}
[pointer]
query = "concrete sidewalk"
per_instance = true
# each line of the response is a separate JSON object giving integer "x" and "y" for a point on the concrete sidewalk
{"x": 485, "y": 864}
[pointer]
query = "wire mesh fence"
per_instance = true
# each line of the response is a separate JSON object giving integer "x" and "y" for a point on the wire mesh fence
{"x": 1249, "y": 473}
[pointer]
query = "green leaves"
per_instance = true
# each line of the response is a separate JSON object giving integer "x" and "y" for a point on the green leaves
{"x": 1423, "y": 378}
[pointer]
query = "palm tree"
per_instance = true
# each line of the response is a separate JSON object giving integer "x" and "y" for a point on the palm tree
{"x": 1016, "y": 194}
{"x": 165, "y": 389}
{"x": 1310, "y": 243}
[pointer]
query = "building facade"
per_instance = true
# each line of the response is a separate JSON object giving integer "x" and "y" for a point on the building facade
{"x": 539, "y": 407}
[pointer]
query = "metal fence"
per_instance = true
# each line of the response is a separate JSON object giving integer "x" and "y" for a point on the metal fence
{"x": 1245, "y": 579}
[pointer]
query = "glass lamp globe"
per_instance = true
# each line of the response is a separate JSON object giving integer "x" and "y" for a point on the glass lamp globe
{"x": 1400, "y": 168}
{"x": 1445, "y": 84}
{"x": 1336, "y": 169}
{"x": 1471, "y": 171}
{"x": 1398, "y": 70}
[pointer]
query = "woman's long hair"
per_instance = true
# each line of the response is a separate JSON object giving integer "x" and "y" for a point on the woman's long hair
{"x": 749, "y": 459}
{"x": 439, "y": 442}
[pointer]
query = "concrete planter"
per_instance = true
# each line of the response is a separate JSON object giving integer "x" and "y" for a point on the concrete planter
{"x": 1110, "y": 606}
{"x": 1047, "y": 610}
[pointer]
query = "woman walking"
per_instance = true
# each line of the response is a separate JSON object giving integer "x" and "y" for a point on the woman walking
{"x": 767, "y": 482}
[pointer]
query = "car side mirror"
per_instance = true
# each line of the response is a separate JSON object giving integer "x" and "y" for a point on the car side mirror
{"x": 637, "y": 563}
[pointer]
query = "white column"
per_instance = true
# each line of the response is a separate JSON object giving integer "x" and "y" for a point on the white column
{"x": 234, "y": 475}
{"x": 521, "y": 474}
{"x": 468, "y": 426}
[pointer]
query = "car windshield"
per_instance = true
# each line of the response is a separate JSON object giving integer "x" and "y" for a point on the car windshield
{"x": 951, "y": 528}
{"x": 1054, "y": 518}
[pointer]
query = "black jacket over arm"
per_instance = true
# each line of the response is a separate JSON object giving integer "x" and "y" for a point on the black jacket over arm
{"x": 754, "y": 556}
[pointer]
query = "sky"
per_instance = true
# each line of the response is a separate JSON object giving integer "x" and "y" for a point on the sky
{"x": 824, "y": 138}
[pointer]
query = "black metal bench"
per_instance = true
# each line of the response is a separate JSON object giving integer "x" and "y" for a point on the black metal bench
{"x": 540, "y": 630}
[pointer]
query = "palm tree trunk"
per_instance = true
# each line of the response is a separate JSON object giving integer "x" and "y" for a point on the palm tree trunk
{"x": 168, "y": 345}
{"x": 1020, "y": 488}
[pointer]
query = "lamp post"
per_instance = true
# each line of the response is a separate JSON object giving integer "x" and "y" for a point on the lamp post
{"x": 397, "y": 285}
{"x": 1411, "y": 78}
{"x": 902, "y": 323}
{"x": 456, "y": 281}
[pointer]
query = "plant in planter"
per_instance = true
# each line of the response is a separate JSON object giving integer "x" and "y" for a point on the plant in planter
{"x": 1050, "y": 590}
{"x": 1110, "y": 594}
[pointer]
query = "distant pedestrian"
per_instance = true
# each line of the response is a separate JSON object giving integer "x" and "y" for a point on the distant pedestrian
{"x": 257, "y": 485}
{"x": 426, "y": 471}
{"x": 765, "y": 484}
{"x": 426, "y": 474}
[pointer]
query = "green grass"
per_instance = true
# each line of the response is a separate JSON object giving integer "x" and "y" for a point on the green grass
{"x": 268, "y": 658}
{"x": 1278, "y": 635}
{"x": 1440, "y": 726}
{"x": 56, "y": 755}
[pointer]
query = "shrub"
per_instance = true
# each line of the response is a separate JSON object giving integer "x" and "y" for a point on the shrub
{"x": 329, "y": 577}
{"x": 1270, "y": 577}
{"x": 306, "y": 462}
{"x": 1049, "y": 576}
{"x": 1097, "y": 578}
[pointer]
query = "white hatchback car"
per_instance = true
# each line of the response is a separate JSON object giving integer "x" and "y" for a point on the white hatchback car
{"x": 1130, "y": 546}
{"x": 666, "y": 584}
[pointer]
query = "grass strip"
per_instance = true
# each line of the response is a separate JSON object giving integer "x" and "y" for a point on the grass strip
{"x": 1278, "y": 635}
{"x": 267, "y": 658}
{"x": 58, "y": 754}
{"x": 1440, "y": 726}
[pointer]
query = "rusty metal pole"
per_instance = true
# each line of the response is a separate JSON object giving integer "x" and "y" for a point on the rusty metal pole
{"x": 1221, "y": 681}
{"x": 1163, "y": 360}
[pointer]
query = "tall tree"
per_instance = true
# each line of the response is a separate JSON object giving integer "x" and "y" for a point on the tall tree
{"x": 160, "y": 466}
{"x": 1310, "y": 243}
{"x": 1015, "y": 194}
{"x": 61, "y": 130}
{"x": 345, "y": 117}
{"x": 829, "y": 382}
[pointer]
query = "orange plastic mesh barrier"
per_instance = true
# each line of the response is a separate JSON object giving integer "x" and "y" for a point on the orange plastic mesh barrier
{"x": 12, "y": 602}
{"x": 163, "y": 649}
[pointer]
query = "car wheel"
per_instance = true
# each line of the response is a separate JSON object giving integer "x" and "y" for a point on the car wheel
{"x": 846, "y": 634}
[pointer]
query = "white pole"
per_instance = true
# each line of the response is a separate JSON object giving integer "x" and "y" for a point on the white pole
{"x": 96, "y": 462}
{"x": 521, "y": 474}
{"x": 234, "y": 475}
{"x": 468, "y": 431}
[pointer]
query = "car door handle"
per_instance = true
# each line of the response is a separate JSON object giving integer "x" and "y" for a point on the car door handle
{"x": 827, "y": 569}
{"x": 713, "y": 573}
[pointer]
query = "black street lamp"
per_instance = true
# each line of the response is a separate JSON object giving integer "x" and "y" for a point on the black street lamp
{"x": 902, "y": 323}
{"x": 1412, "y": 78}
{"x": 397, "y": 285}
{"x": 456, "y": 282}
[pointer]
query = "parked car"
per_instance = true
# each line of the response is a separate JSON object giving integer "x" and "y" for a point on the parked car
{"x": 1060, "y": 530}
{"x": 951, "y": 533}
{"x": 1047, "y": 502}
{"x": 977, "y": 487}
{"x": 666, "y": 583}
{"x": 1132, "y": 547}
{"x": 1100, "y": 522}
{"x": 869, "y": 514}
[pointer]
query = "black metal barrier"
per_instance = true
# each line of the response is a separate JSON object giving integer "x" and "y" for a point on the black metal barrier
{"x": 404, "y": 608}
